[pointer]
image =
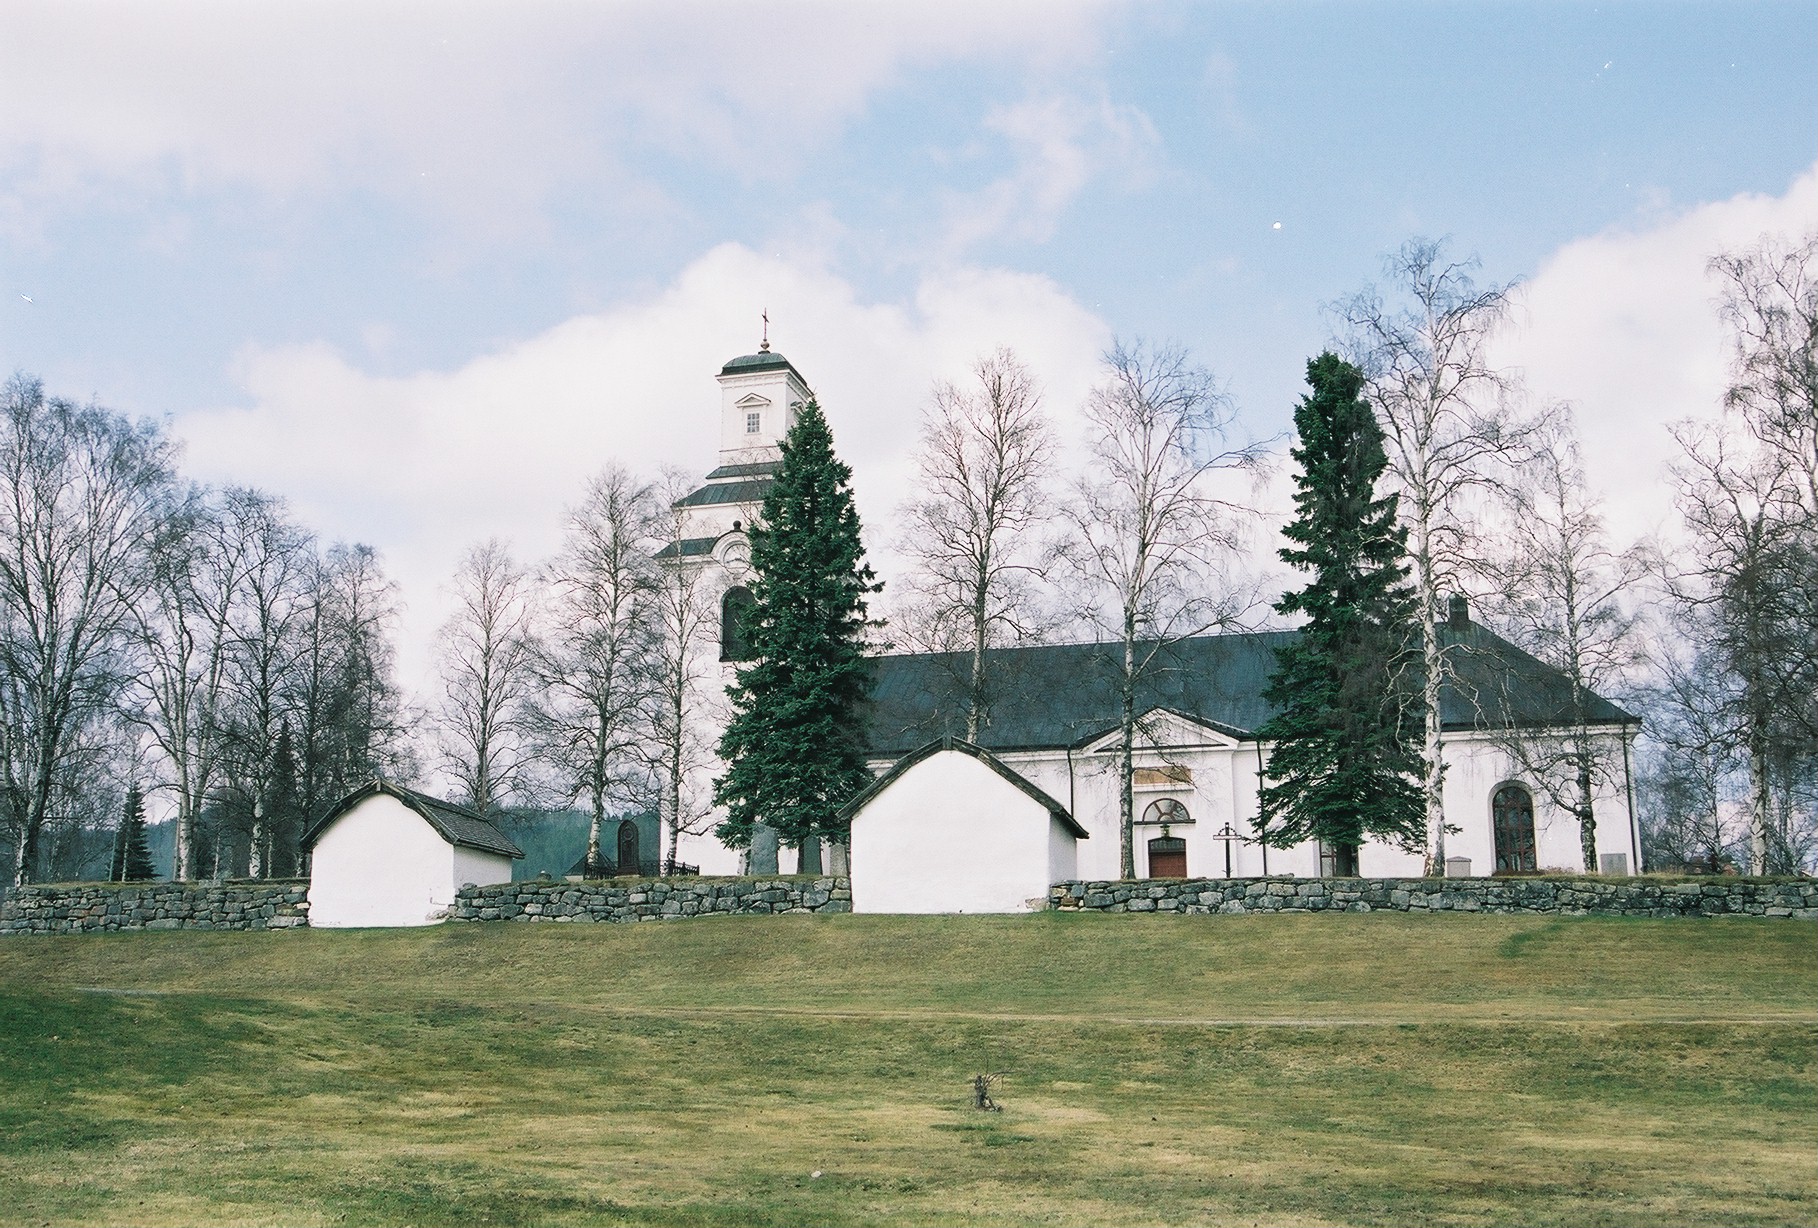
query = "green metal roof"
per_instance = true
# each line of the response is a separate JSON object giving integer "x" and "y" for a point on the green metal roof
{"x": 754, "y": 469}
{"x": 1061, "y": 695}
{"x": 728, "y": 492}
{"x": 764, "y": 360}
{"x": 687, "y": 548}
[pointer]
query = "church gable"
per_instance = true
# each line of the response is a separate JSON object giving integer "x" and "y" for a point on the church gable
{"x": 1160, "y": 729}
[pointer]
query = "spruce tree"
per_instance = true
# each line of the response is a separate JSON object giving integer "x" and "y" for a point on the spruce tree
{"x": 1346, "y": 763}
{"x": 132, "y": 855}
{"x": 795, "y": 746}
{"x": 284, "y": 818}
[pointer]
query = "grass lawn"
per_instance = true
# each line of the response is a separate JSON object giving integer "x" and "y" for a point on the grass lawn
{"x": 1242, "y": 1070}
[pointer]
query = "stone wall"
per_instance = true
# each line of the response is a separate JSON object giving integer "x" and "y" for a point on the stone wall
{"x": 1635, "y": 897}
{"x": 69, "y": 908}
{"x": 651, "y": 899}
{"x": 65, "y": 908}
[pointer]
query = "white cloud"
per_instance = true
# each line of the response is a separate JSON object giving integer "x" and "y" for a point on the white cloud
{"x": 1623, "y": 325}
{"x": 1056, "y": 146}
{"x": 423, "y": 465}
{"x": 479, "y": 109}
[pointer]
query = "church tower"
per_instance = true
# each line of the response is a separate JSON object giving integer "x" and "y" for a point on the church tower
{"x": 760, "y": 396}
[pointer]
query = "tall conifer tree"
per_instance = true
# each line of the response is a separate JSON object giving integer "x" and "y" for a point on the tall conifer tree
{"x": 794, "y": 747}
{"x": 1346, "y": 763}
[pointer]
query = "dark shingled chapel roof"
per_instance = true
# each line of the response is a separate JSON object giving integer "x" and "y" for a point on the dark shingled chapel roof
{"x": 455, "y": 824}
{"x": 1064, "y": 695}
{"x": 1055, "y": 809}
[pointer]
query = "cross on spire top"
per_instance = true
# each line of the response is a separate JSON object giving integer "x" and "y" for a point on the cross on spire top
{"x": 764, "y": 346}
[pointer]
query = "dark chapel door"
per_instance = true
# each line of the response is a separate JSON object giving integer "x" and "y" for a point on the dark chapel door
{"x": 628, "y": 848}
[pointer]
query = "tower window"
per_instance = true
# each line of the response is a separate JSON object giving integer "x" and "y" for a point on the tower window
{"x": 735, "y": 607}
{"x": 753, "y": 423}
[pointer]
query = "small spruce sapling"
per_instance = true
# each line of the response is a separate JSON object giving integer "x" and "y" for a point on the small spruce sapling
{"x": 132, "y": 854}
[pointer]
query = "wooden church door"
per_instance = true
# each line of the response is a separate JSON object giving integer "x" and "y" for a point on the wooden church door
{"x": 1167, "y": 857}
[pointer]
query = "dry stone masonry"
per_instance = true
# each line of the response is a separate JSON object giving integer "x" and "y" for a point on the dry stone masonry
{"x": 651, "y": 899}
{"x": 71, "y": 908}
{"x": 1630, "y": 897}
{"x": 68, "y": 908}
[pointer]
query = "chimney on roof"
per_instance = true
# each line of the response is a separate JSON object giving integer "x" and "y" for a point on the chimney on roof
{"x": 1458, "y": 616}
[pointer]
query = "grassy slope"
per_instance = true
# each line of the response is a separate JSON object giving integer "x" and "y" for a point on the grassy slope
{"x": 1286, "y": 1069}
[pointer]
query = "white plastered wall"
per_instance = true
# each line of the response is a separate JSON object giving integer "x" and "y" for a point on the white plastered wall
{"x": 1224, "y": 788}
{"x": 950, "y": 835}
{"x": 1476, "y": 767}
{"x": 779, "y": 387}
{"x": 479, "y": 867}
{"x": 382, "y": 864}
{"x": 1063, "y": 852}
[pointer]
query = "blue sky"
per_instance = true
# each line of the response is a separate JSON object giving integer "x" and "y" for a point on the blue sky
{"x": 381, "y": 257}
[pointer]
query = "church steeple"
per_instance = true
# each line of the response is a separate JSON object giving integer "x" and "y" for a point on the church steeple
{"x": 759, "y": 396}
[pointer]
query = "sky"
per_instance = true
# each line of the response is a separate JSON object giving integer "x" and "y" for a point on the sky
{"x": 423, "y": 268}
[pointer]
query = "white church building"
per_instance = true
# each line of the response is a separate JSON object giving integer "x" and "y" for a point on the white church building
{"x": 1199, "y": 762}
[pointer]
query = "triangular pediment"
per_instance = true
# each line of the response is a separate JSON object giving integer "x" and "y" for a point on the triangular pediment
{"x": 752, "y": 400}
{"x": 1166, "y": 729}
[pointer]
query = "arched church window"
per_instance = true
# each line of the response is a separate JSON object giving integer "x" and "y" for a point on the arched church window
{"x": 1166, "y": 810}
{"x": 735, "y": 608}
{"x": 1512, "y": 816}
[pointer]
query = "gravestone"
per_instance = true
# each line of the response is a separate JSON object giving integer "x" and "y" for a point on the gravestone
{"x": 763, "y": 850}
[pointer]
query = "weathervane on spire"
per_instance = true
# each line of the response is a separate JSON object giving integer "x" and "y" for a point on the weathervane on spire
{"x": 764, "y": 346}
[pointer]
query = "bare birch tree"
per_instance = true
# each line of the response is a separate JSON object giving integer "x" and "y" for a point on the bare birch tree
{"x": 1745, "y": 589}
{"x": 264, "y": 620}
{"x": 1688, "y": 763}
{"x": 1769, "y": 299}
{"x": 1557, "y": 592}
{"x": 184, "y": 640}
{"x": 685, "y": 683}
{"x": 487, "y": 673}
{"x": 1450, "y": 433}
{"x": 349, "y": 713}
{"x": 1150, "y": 539}
{"x": 82, "y": 495}
{"x": 594, "y": 669}
{"x": 985, "y": 454}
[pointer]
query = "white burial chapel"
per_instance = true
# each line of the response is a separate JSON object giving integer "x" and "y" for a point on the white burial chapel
{"x": 923, "y": 840}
